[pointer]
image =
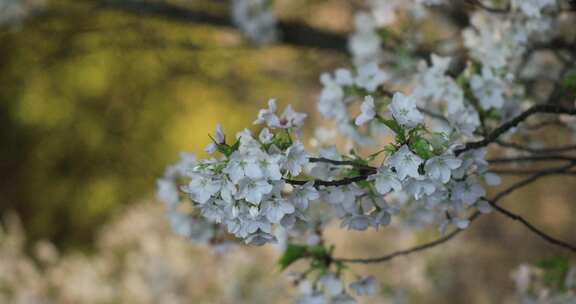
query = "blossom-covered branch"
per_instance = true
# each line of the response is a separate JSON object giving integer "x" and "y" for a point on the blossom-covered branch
{"x": 430, "y": 123}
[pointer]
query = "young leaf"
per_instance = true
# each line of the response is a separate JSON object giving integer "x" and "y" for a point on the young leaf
{"x": 292, "y": 254}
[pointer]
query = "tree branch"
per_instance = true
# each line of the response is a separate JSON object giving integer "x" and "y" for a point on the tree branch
{"x": 534, "y": 150}
{"x": 293, "y": 33}
{"x": 542, "y": 108}
{"x": 454, "y": 233}
{"x": 533, "y": 228}
{"x": 341, "y": 163}
{"x": 533, "y": 158}
{"x": 340, "y": 182}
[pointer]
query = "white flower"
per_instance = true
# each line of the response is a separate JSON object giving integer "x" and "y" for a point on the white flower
{"x": 253, "y": 190}
{"x": 331, "y": 100}
{"x": 357, "y": 222}
{"x": 365, "y": 43}
{"x": 385, "y": 180}
{"x": 291, "y": 118}
{"x": 296, "y": 157}
{"x": 465, "y": 120}
{"x": 468, "y": 191}
{"x": 367, "y": 111}
{"x": 365, "y": 287}
{"x": 265, "y": 136}
{"x": 406, "y": 163}
{"x": 202, "y": 188}
{"x": 332, "y": 284}
{"x": 488, "y": 89}
{"x": 343, "y": 77}
{"x": 492, "y": 179}
{"x": 255, "y": 19}
{"x": 268, "y": 116}
{"x": 270, "y": 166}
{"x": 167, "y": 192}
{"x": 370, "y": 77}
{"x": 419, "y": 187}
{"x": 276, "y": 209}
{"x": 218, "y": 139}
{"x": 260, "y": 238}
{"x": 343, "y": 194}
{"x": 302, "y": 195}
{"x": 241, "y": 166}
{"x": 531, "y": 8}
{"x": 404, "y": 110}
{"x": 461, "y": 223}
{"x": 484, "y": 206}
{"x": 381, "y": 218}
{"x": 440, "y": 168}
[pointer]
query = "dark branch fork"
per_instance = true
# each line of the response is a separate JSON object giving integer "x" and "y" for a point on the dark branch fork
{"x": 493, "y": 136}
{"x": 493, "y": 202}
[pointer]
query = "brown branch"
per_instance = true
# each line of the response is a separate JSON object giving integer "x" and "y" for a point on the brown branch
{"x": 454, "y": 233}
{"x": 336, "y": 183}
{"x": 341, "y": 163}
{"x": 492, "y": 136}
{"x": 535, "y": 150}
{"x": 388, "y": 257}
{"x": 533, "y": 158}
{"x": 533, "y": 228}
{"x": 293, "y": 32}
{"x": 526, "y": 172}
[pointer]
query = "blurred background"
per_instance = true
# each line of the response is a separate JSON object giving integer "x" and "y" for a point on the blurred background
{"x": 97, "y": 97}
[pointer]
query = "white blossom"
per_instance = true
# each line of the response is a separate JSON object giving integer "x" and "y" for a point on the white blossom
{"x": 366, "y": 286}
{"x": 253, "y": 190}
{"x": 488, "y": 89}
{"x": 276, "y": 209}
{"x": 385, "y": 180}
{"x": 367, "y": 111}
{"x": 440, "y": 168}
{"x": 370, "y": 76}
{"x": 404, "y": 110}
{"x": 296, "y": 158}
{"x": 468, "y": 191}
{"x": 302, "y": 195}
{"x": 405, "y": 163}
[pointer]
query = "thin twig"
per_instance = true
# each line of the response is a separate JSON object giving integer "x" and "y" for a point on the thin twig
{"x": 454, "y": 233}
{"x": 542, "y": 108}
{"x": 526, "y": 172}
{"x": 340, "y": 182}
{"x": 535, "y": 150}
{"x": 533, "y": 158}
{"x": 533, "y": 228}
{"x": 341, "y": 163}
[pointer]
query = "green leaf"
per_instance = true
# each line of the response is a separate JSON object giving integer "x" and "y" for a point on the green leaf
{"x": 292, "y": 254}
{"x": 439, "y": 142}
{"x": 569, "y": 82}
{"x": 555, "y": 270}
{"x": 421, "y": 147}
{"x": 396, "y": 127}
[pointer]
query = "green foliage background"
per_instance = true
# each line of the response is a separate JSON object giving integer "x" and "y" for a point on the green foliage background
{"x": 94, "y": 103}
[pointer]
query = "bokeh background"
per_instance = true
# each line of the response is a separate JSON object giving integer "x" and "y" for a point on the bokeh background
{"x": 97, "y": 97}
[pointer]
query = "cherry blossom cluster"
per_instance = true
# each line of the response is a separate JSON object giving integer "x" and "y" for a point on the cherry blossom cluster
{"x": 268, "y": 186}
